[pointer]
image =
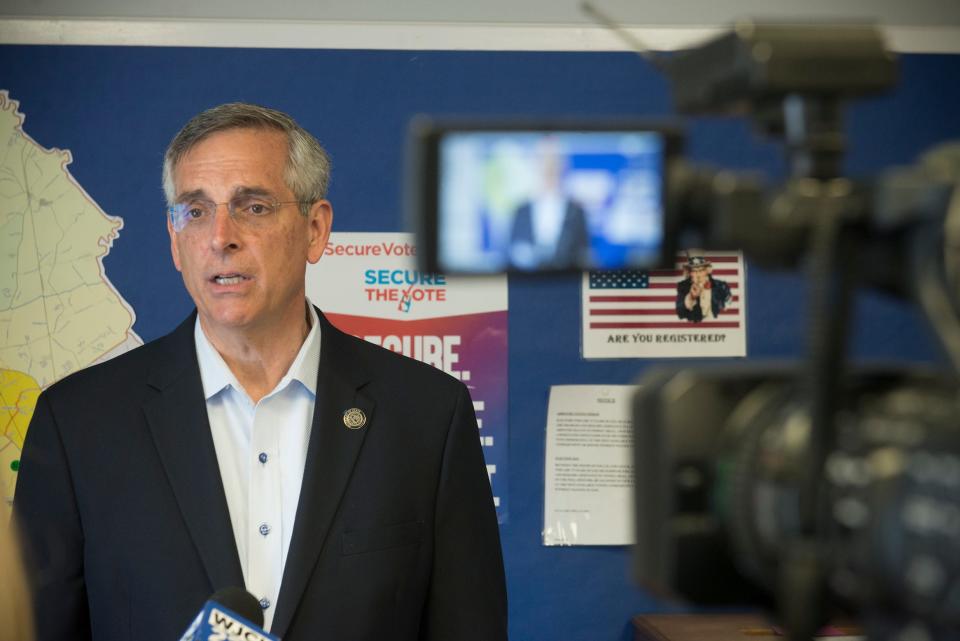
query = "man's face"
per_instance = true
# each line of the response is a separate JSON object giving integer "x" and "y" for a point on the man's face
{"x": 242, "y": 278}
{"x": 698, "y": 275}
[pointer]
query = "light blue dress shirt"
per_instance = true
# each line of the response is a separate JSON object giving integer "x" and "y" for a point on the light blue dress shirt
{"x": 261, "y": 451}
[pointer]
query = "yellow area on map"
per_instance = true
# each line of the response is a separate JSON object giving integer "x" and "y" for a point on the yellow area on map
{"x": 18, "y": 399}
{"x": 58, "y": 311}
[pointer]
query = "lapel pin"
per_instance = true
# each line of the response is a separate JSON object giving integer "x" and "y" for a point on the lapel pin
{"x": 354, "y": 418}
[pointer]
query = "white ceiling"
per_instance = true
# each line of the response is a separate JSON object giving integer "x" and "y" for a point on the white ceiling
{"x": 518, "y": 12}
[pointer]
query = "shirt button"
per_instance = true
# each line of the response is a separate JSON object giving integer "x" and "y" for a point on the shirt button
{"x": 264, "y": 529}
{"x": 264, "y": 603}
{"x": 263, "y": 457}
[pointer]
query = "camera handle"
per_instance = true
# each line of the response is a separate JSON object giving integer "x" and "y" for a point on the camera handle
{"x": 832, "y": 270}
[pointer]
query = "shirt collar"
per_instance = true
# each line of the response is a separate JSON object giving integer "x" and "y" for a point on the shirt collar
{"x": 215, "y": 374}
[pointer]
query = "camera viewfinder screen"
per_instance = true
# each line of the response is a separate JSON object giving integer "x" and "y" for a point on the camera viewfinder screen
{"x": 550, "y": 200}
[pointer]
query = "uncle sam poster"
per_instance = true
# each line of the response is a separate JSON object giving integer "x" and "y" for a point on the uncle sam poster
{"x": 696, "y": 308}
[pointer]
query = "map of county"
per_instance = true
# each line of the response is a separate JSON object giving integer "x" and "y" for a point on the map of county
{"x": 58, "y": 311}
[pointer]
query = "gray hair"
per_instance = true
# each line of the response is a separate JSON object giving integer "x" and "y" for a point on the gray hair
{"x": 307, "y": 172}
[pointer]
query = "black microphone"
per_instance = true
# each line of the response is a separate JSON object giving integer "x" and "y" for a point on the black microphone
{"x": 230, "y": 614}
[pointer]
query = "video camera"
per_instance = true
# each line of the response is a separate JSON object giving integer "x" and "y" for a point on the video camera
{"x": 811, "y": 489}
{"x": 816, "y": 490}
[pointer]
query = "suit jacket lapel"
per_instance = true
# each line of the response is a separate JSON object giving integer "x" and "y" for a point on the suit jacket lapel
{"x": 177, "y": 416}
{"x": 331, "y": 455}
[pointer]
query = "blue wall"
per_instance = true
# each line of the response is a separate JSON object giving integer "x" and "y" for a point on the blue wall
{"x": 116, "y": 109}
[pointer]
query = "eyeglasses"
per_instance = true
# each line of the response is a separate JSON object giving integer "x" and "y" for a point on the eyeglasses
{"x": 250, "y": 212}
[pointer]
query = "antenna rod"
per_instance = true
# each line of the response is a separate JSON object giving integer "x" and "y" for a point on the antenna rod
{"x": 625, "y": 36}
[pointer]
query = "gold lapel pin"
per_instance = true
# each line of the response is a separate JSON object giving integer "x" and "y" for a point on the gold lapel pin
{"x": 354, "y": 418}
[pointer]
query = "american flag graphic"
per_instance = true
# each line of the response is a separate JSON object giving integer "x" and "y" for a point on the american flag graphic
{"x": 634, "y": 299}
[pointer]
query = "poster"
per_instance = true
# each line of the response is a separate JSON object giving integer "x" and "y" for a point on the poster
{"x": 696, "y": 309}
{"x": 588, "y": 489}
{"x": 368, "y": 285}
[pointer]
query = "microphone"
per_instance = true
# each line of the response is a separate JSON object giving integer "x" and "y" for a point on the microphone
{"x": 231, "y": 614}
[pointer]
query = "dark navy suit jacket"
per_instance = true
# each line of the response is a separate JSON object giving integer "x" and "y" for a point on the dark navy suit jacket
{"x": 124, "y": 515}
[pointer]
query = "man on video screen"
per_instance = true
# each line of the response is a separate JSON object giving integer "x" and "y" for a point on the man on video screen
{"x": 550, "y": 229}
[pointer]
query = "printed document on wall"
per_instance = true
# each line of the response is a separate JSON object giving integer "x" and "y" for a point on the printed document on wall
{"x": 588, "y": 494}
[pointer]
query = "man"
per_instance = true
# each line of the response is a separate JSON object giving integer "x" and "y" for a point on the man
{"x": 256, "y": 445}
{"x": 549, "y": 230}
{"x": 700, "y": 296}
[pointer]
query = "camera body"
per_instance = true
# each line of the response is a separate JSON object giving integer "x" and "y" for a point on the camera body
{"x": 721, "y": 459}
